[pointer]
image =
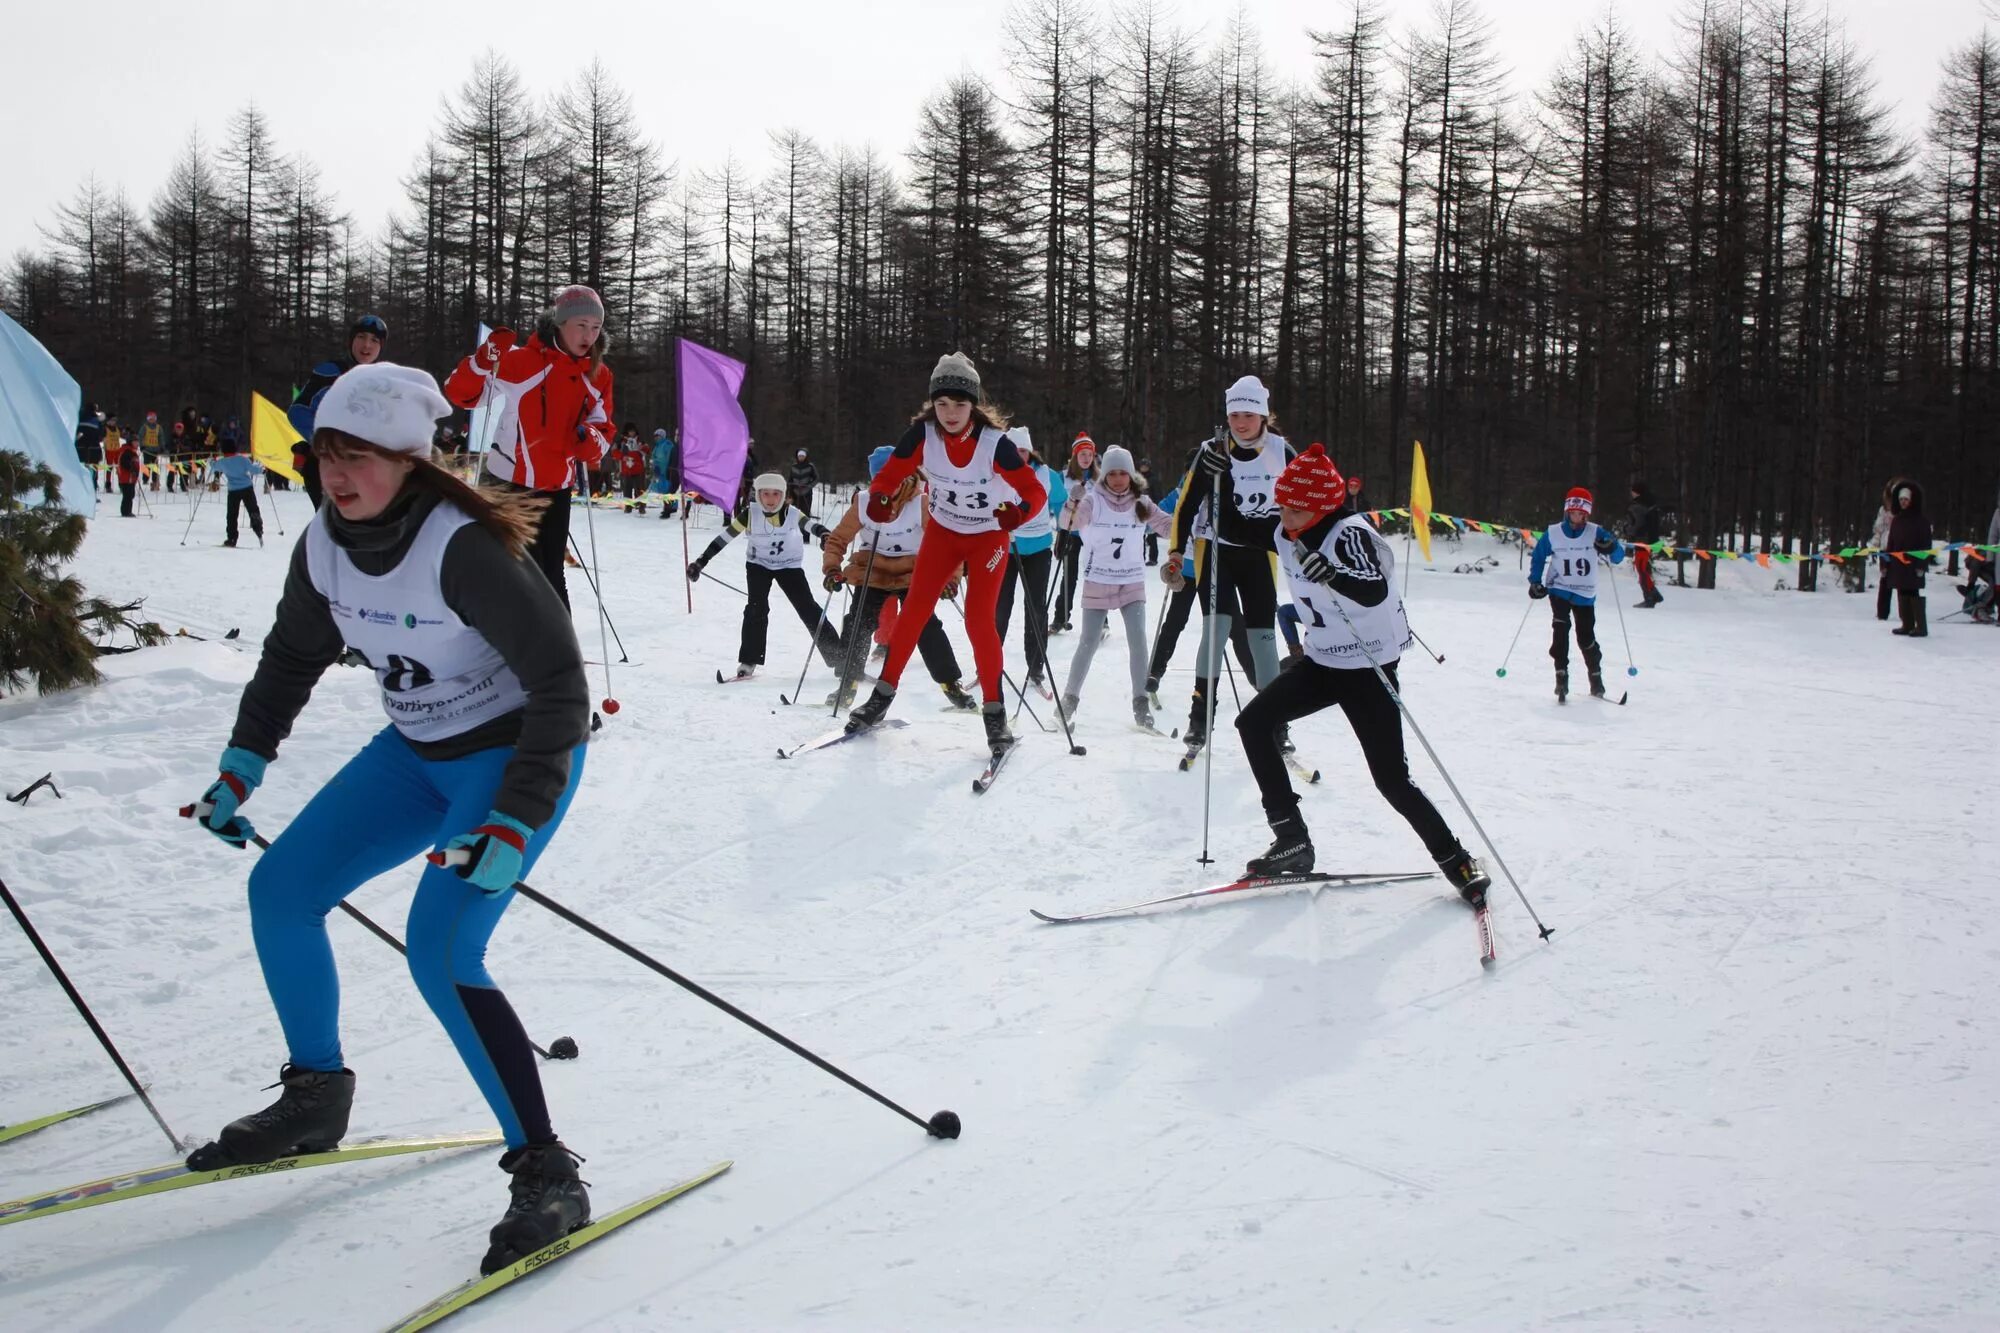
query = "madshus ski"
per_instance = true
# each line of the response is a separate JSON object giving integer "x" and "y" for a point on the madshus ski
{"x": 27, "y": 1127}
{"x": 1347, "y": 881}
{"x": 837, "y": 737}
{"x": 474, "y": 1289}
{"x": 177, "y": 1176}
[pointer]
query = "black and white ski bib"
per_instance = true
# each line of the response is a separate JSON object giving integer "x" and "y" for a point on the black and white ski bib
{"x": 439, "y": 676}
{"x": 775, "y": 543}
{"x": 1255, "y": 480}
{"x": 1572, "y": 565}
{"x": 1383, "y": 630}
{"x": 963, "y": 498}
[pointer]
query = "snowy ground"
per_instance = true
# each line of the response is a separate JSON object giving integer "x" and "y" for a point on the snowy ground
{"x": 1750, "y": 1084}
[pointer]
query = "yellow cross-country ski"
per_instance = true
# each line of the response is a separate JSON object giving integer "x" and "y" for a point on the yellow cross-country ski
{"x": 27, "y": 1127}
{"x": 474, "y": 1288}
{"x": 177, "y": 1176}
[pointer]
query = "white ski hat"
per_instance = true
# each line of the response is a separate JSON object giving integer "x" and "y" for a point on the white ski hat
{"x": 1117, "y": 459}
{"x": 1023, "y": 441}
{"x": 767, "y": 481}
{"x": 1249, "y": 395}
{"x": 392, "y": 407}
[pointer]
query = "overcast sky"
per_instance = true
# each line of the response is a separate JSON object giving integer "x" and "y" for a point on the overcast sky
{"x": 116, "y": 88}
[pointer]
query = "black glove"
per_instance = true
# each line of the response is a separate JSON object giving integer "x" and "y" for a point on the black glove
{"x": 819, "y": 533}
{"x": 1316, "y": 567}
{"x": 1212, "y": 458}
{"x": 1537, "y": 591}
{"x": 1604, "y": 543}
{"x": 694, "y": 570}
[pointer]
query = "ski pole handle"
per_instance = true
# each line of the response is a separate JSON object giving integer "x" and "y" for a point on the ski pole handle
{"x": 197, "y": 810}
{"x": 456, "y": 856}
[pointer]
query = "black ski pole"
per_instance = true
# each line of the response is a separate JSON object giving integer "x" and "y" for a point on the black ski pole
{"x": 1038, "y": 626}
{"x": 588, "y": 578}
{"x": 857, "y": 625}
{"x": 943, "y": 1125}
{"x": 812, "y": 646}
{"x": 562, "y": 1048}
{"x": 97, "y": 1029}
{"x": 1008, "y": 680}
{"x": 196, "y": 509}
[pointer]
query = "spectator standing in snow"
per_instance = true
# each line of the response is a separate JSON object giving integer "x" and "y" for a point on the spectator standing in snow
{"x": 1878, "y": 538}
{"x": 801, "y": 482}
{"x": 1909, "y": 530}
{"x": 1642, "y": 529}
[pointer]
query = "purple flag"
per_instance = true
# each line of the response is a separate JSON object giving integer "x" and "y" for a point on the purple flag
{"x": 715, "y": 435}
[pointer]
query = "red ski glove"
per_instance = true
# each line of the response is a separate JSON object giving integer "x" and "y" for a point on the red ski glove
{"x": 881, "y": 508}
{"x": 498, "y": 343}
{"x": 1010, "y": 515}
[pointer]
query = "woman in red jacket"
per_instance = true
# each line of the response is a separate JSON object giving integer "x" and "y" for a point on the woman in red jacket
{"x": 130, "y": 466}
{"x": 958, "y": 444}
{"x": 553, "y": 395}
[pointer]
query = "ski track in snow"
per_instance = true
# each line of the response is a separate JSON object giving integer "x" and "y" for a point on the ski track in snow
{"x": 1749, "y": 1084}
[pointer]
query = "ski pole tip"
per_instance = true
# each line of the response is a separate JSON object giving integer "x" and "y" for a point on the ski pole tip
{"x": 563, "y": 1048}
{"x": 944, "y": 1125}
{"x": 1548, "y": 931}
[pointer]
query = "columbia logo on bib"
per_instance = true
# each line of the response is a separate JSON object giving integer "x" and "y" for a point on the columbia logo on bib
{"x": 439, "y": 676}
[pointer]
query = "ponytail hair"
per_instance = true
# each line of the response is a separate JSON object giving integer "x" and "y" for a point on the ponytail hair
{"x": 511, "y": 516}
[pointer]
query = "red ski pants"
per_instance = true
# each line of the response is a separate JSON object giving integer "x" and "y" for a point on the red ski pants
{"x": 984, "y": 555}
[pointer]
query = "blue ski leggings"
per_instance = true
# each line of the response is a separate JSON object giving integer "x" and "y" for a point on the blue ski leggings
{"x": 385, "y": 807}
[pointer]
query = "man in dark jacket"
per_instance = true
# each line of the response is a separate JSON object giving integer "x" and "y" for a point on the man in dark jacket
{"x": 365, "y": 338}
{"x": 1642, "y": 529}
{"x": 801, "y": 481}
{"x": 1909, "y": 531}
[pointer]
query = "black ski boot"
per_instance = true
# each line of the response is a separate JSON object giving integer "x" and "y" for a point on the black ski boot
{"x": 310, "y": 1115}
{"x": 1467, "y": 876}
{"x": 873, "y": 708}
{"x": 959, "y": 698}
{"x": 998, "y": 739}
{"x": 548, "y": 1202}
{"x": 1597, "y": 684}
{"x": 1196, "y": 734}
{"x": 1290, "y": 853}
{"x": 1562, "y": 685}
{"x": 1285, "y": 745}
{"x": 1142, "y": 712}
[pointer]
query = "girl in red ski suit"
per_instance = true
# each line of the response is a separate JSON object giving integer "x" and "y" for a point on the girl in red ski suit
{"x": 981, "y": 489}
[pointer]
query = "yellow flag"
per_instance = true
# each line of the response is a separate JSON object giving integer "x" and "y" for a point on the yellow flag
{"x": 1420, "y": 499}
{"x": 272, "y": 437}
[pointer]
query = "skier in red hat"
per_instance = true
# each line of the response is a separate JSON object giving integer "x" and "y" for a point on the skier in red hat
{"x": 1564, "y": 570}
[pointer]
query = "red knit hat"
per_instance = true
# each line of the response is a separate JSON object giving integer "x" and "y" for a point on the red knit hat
{"x": 1311, "y": 482}
{"x": 1578, "y": 498}
{"x": 1082, "y": 442}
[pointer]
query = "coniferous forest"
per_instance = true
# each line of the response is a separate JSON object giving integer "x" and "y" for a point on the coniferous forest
{"x": 1723, "y": 267}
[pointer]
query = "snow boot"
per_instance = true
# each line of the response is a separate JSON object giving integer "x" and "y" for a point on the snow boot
{"x": 873, "y": 709}
{"x": 1597, "y": 685}
{"x": 310, "y": 1115}
{"x": 1290, "y": 852}
{"x": 999, "y": 740}
{"x": 1467, "y": 876}
{"x": 959, "y": 698}
{"x": 1142, "y": 712}
{"x": 547, "y": 1202}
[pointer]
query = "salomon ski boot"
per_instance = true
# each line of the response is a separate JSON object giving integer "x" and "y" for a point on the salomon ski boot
{"x": 309, "y": 1116}
{"x": 873, "y": 709}
{"x": 1467, "y": 876}
{"x": 959, "y": 698}
{"x": 547, "y": 1202}
{"x": 1290, "y": 852}
{"x": 999, "y": 740}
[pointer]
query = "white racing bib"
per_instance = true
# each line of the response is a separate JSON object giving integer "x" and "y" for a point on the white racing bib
{"x": 1572, "y": 566}
{"x": 963, "y": 498}
{"x": 1041, "y": 523}
{"x": 775, "y": 543}
{"x": 1384, "y": 630}
{"x": 1114, "y": 543}
{"x": 439, "y": 676}
{"x": 900, "y": 536}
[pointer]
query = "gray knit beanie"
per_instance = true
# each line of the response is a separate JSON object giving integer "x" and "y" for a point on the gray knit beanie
{"x": 956, "y": 375}
{"x": 576, "y": 302}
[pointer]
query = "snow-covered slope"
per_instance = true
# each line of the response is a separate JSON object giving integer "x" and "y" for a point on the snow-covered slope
{"x": 1751, "y": 1083}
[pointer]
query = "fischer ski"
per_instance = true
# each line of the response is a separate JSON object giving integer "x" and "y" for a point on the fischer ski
{"x": 474, "y": 1289}
{"x": 27, "y": 1127}
{"x": 994, "y": 763}
{"x": 836, "y": 737}
{"x": 1350, "y": 881}
{"x": 177, "y": 1176}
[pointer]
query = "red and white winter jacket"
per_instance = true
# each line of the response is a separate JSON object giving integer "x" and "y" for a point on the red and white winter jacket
{"x": 543, "y": 395}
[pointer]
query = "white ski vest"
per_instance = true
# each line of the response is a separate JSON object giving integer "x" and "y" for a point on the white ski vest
{"x": 775, "y": 543}
{"x": 1384, "y": 629}
{"x": 899, "y": 536}
{"x": 439, "y": 676}
{"x": 1041, "y": 523}
{"x": 1572, "y": 565}
{"x": 1114, "y": 542}
{"x": 963, "y": 498}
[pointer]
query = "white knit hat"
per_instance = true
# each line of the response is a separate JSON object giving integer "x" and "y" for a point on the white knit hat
{"x": 393, "y": 407}
{"x": 1117, "y": 459}
{"x": 767, "y": 481}
{"x": 1249, "y": 395}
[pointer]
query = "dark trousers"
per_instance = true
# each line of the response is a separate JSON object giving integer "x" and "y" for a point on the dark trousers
{"x": 633, "y": 485}
{"x": 311, "y": 474}
{"x": 239, "y": 500}
{"x": 1031, "y": 570}
{"x": 1882, "y": 591}
{"x": 757, "y": 613}
{"x": 1176, "y": 619}
{"x": 1068, "y": 553}
{"x": 1642, "y": 560}
{"x": 1309, "y": 687}
{"x": 1912, "y": 609}
{"x": 1586, "y": 634}
{"x": 857, "y": 632}
{"x": 551, "y": 539}
{"x": 128, "y": 491}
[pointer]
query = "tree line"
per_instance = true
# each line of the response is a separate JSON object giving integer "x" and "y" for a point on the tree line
{"x": 1719, "y": 266}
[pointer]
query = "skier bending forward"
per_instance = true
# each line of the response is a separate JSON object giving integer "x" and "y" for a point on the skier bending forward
{"x": 1341, "y": 575}
{"x": 483, "y": 683}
